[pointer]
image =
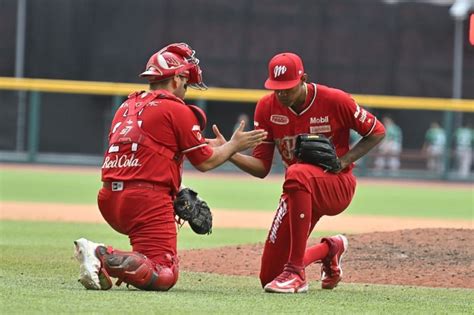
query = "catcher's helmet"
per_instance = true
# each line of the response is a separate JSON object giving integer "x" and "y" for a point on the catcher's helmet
{"x": 175, "y": 59}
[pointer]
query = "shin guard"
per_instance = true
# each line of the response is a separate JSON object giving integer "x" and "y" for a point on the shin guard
{"x": 137, "y": 270}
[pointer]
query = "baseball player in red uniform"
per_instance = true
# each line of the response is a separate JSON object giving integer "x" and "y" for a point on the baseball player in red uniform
{"x": 299, "y": 107}
{"x": 151, "y": 133}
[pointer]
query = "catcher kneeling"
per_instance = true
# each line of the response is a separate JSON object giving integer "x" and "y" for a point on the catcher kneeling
{"x": 100, "y": 262}
{"x": 151, "y": 133}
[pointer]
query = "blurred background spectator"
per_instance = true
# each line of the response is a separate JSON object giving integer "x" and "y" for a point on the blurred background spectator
{"x": 435, "y": 142}
{"x": 389, "y": 149}
{"x": 464, "y": 137}
{"x": 246, "y": 119}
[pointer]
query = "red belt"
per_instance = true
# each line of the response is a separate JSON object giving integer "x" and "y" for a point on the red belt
{"x": 121, "y": 185}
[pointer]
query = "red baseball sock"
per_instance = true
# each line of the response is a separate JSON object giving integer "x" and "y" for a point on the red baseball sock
{"x": 299, "y": 210}
{"x": 315, "y": 253}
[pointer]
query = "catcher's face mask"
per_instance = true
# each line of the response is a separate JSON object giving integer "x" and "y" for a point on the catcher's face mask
{"x": 175, "y": 59}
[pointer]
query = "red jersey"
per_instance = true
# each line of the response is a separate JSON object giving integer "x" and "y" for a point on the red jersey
{"x": 165, "y": 130}
{"x": 327, "y": 111}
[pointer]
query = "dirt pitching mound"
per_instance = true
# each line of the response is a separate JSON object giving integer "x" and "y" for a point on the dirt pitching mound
{"x": 418, "y": 257}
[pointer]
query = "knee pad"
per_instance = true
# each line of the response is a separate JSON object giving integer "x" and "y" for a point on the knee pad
{"x": 137, "y": 270}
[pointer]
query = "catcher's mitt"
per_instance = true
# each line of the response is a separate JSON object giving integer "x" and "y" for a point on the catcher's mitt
{"x": 189, "y": 207}
{"x": 317, "y": 150}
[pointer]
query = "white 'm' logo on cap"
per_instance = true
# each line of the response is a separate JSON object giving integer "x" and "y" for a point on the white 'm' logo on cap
{"x": 279, "y": 70}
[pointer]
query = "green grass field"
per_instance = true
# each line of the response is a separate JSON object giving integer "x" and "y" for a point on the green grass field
{"x": 244, "y": 194}
{"x": 38, "y": 274}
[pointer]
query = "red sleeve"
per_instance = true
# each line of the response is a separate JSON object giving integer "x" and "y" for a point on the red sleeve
{"x": 190, "y": 140}
{"x": 357, "y": 117}
{"x": 264, "y": 151}
{"x": 199, "y": 155}
{"x": 379, "y": 129}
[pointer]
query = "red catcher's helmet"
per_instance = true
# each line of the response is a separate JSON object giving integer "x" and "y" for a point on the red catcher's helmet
{"x": 175, "y": 59}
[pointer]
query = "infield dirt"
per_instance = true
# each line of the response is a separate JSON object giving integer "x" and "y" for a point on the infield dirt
{"x": 418, "y": 257}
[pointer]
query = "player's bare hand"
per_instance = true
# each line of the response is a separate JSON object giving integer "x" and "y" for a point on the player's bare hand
{"x": 244, "y": 140}
{"x": 219, "y": 140}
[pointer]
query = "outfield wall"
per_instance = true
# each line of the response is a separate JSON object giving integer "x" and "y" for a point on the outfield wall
{"x": 56, "y": 131}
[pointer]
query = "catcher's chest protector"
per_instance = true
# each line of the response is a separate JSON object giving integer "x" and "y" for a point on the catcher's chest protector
{"x": 129, "y": 131}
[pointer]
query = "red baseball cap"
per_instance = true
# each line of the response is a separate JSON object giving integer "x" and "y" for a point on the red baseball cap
{"x": 284, "y": 71}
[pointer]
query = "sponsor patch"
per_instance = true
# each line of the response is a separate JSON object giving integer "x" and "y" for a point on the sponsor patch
{"x": 279, "y": 119}
{"x": 121, "y": 161}
{"x": 319, "y": 120}
{"x": 320, "y": 129}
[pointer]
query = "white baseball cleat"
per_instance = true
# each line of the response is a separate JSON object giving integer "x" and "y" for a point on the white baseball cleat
{"x": 291, "y": 280}
{"x": 90, "y": 265}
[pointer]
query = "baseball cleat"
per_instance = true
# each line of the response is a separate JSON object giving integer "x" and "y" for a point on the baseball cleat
{"x": 91, "y": 275}
{"x": 287, "y": 282}
{"x": 331, "y": 269}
